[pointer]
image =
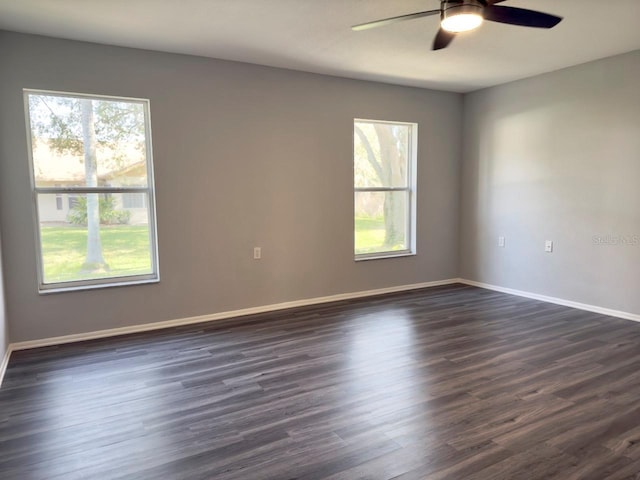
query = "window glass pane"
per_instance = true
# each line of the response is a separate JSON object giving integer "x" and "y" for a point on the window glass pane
{"x": 381, "y": 154}
{"x": 381, "y": 222}
{"x": 83, "y": 142}
{"x": 133, "y": 200}
{"x": 96, "y": 238}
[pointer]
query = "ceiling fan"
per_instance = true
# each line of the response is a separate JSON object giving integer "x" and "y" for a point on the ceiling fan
{"x": 458, "y": 16}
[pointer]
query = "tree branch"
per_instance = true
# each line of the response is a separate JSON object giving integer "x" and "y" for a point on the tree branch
{"x": 370, "y": 155}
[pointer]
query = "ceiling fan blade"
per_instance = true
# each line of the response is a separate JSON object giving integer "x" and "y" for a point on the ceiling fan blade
{"x": 387, "y": 21}
{"x": 521, "y": 17}
{"x": 442, "y": 40}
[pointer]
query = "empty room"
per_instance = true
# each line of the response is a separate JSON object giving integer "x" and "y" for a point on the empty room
{"x": 340, "y": 239}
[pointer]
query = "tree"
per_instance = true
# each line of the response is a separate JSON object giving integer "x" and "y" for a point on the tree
{"x": 94, "y": 261}
{"x": 81, "y": 127}
{"x": 385, "y": 147}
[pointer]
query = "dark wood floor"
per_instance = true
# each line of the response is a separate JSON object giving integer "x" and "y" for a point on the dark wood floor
{"x": 447, "y": 383}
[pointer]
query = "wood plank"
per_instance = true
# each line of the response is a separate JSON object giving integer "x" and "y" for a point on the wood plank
{"x": 450, "y": 382}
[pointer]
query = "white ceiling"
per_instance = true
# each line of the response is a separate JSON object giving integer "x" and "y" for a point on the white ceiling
{"x": 315, "y": 35}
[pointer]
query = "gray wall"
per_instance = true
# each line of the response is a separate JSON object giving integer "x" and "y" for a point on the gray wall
{"x": 556, "y": 157}
{"x": 4, "y": 324}
{"x": 244, "y": 156}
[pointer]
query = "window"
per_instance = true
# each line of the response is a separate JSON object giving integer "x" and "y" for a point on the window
{"x": 133, "y": 200}
{"x": 58, "y": 201}
{"x": 384, "y": 155}
{"x": 96, "y": 151}
{"x": 73, "y": 201}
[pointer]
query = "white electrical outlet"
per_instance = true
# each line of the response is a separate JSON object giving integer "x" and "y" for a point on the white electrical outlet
{"x": 548, "y": 246}
{"x": 501, "y": 241}
{"x": 257, "y": 253}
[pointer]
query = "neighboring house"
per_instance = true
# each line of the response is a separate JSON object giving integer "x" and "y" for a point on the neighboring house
{"x": 67, "y": 170}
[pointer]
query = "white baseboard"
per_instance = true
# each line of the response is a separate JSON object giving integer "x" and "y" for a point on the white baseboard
{"x": 557, "y": 301}
{"x": 45, "y": 342}
{"x": 5, "y": 363}
{"x": 112, "y": 332}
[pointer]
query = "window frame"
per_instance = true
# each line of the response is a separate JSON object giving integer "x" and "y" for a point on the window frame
{"x": 149, "y": 190}
{"x": 410, "y": 189}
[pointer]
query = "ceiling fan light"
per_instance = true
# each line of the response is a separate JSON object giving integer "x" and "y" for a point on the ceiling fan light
{"x": 462, "y": 22}
{"x": 461, "y": 15}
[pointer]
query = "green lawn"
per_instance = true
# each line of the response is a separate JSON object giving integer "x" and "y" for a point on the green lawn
{"x": 369, "y": 236}
{"x": 125, "y": 249}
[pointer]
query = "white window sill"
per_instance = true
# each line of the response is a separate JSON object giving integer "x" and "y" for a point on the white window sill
{"x": 362, "y": 258}
{"x": 76, "y": 288}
